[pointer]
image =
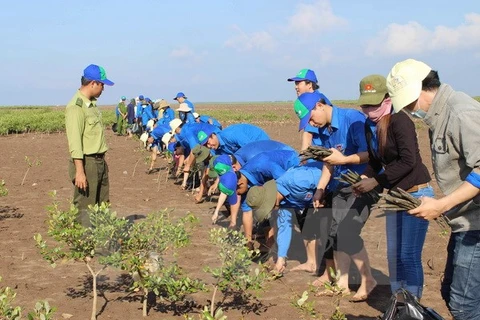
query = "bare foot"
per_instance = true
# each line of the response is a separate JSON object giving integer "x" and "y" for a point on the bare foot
{"x": 307, "y": 267}
{"x": 364, "y": 291}
{"x": 280, "y": 265}
{"x": 320, "y": 281}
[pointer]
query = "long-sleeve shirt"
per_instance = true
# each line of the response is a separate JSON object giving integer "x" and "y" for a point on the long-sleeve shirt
{"x": 236, "y": 136}
{"x": 208, "y": 119}
{"x": 168, "y": 115}
{"x": 401, "y": 165}
{"x": 147, "y": 114}
{"x": 84, "y": 126}
{"x": 250, "y": 150}
{"x": 454, "y": 120}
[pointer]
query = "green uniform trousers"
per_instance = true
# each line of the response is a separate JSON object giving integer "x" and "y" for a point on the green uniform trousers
{"x": 96, "y": 171}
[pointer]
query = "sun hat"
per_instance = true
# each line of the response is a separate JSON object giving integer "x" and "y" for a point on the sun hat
{"x": 183, "y": 107}
{"x": 222, "y": 164}
{"x": 163, "y": 104}
{"x": 96, "y": 73}
{"x": 195, "y": 115}
{"x": 305, "y": 74}
{"x": 201, "y": 153}
{"x": 174, "y": 124}
{"x": 211, "y": 173}
{"x": 180, "y": 95}
{"x": 304, "y": 105}
{"x": 404, "y": 82}
{"x": 373, "y": 89}
{"x": 166, "y": 138}
{"x": 204, "y": 134}
{"x": 262, "y": 199}
{"x": 228, "y": 185}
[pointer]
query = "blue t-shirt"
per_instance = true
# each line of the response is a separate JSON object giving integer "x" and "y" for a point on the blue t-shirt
{"x": 159, "y": 130}
{"x": 188, "y": 135}
{"x": 206, "y": 119}
{"x": 266, "y": 166}
{"x": 298, "y": 185}
{"x": 147, "y": 114}
{"x": 346, "y": 133}
{"x": 250, "y": 150}
{"x": 190, "y": 105}
{"x": 236, "y": 136}
{"x": 168, "y": 115}
{"x": 186, "y": 117}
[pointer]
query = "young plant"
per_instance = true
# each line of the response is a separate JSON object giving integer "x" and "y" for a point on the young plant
{"x": 29, "y": 165}
{"x": 95, "y": 246}
{"x": 3, "y": 189}
{"x": 143, "y": 256}
{"x": 306, "y": 308}
{"x": 234, "y": 275}
{"x": 42, "y": 310}
{"x": 337, "y": 294}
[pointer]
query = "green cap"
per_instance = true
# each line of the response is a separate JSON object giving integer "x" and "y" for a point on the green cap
{"x": 373, "y": 89}
{"x": 201, "y": 153}
{"x": 262, "y": 199}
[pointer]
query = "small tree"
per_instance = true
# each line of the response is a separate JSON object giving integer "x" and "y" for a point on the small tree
{"x": 30, "y": 164}
{"x": 3, "y": 189}
{"x": 42, "y": 310}
{"x": 144, "y": 255}
{"x": 98, "y": 244}
{"x": 234, "y": 275}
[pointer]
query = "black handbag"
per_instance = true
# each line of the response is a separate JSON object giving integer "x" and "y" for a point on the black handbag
{"x": 404, "y": 306}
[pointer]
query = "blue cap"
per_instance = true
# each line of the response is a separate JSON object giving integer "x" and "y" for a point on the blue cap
{"x": 206, "y": 132}
{"x": 228, "y": 185}
{"x": 123, "y": 98}
{"x": 222, "y": 164}
{"x": 96, "y": 73}
{"x": 148, "y": 100}
{"x": 304, "y": 105}
{"x": 180, "y": 95}
{"x": 305, "y": 74}
{"x": 140, "y": 97}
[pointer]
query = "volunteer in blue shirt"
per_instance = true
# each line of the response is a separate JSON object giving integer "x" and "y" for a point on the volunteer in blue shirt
{"x": 186, "y": 135}
{"x": 343, "y": 131}
{"x": 263, "y": 167}
{"x": 207, "y": 119}
{"x": 155, "y": 142}
{"x": 232, "y": 138}
{"x": 181, "y": 98}
{"x": 139, "y": 108}
{"x": 147, "y": 113}
{"x": 293, "y": 190}
{"x": 185, "y": 114}
{"x": 167, "y": 113}
{"x": 306, "y": 81}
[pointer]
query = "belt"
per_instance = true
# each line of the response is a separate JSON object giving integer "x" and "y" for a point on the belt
{"x": 96, "y": 155}
{"x": 418, "y": 187}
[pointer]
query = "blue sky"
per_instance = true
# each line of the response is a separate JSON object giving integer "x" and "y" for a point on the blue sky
{"x": 231, "y": 50}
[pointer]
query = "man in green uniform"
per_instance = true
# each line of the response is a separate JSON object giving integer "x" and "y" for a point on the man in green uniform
{"x": 122, "y": 117}
{"x": 86, "y": 142}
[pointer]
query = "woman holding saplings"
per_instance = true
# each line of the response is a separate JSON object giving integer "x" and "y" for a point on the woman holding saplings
{"x": 395, "y": 161}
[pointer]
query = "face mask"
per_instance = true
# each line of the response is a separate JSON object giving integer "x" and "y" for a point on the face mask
{"x": 420, "y": 114}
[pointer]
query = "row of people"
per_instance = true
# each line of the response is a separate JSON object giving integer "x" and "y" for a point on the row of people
{"x": 379, "y": 143}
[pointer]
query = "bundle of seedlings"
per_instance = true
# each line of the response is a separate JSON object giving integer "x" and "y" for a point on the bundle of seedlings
{"x": 315, "y": 152}
{"x": 397, "y": 200}
{"x": 351, "y": 177}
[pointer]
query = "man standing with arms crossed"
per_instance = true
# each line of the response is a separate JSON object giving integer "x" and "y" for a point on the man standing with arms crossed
{"x": 86, "y": 143}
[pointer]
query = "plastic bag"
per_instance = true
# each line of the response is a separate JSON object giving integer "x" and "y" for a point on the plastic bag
{"x": 404, "y": 306}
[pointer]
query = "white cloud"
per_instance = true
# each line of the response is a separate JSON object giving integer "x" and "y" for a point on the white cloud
{"x": 255, "y": 41}
{"x": 314, "y": 18}
{"x": 186, "y": 53}
{"x": 413, "y": 38}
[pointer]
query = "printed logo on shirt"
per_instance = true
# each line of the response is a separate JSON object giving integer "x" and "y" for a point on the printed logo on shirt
{"x": 308, "y": 196}
{"x": 339, "y": 147}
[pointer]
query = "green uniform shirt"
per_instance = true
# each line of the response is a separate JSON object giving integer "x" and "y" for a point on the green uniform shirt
{"x": 83, "y": 122}
{"x": 122, "y": 107}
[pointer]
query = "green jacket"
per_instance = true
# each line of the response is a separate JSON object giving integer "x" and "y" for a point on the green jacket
{"x": 83, "y": 123}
